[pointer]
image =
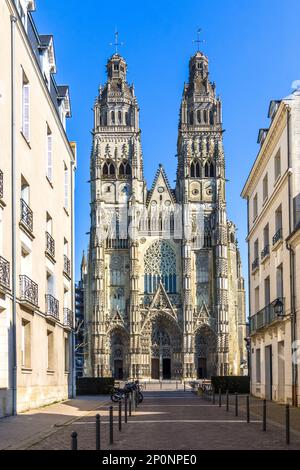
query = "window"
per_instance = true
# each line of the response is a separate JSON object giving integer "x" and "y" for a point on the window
{"x": 26, "y": 344}
{"x": 267, "y": 291}
{"x": 265, "y": 188}
{"x": 67, "y": 355}
{"x": 279, "y": 281}
{"x": 191, "y": 118}
{"x": 50, "y": 344}
{"x": 278, "y": 219}
{"x": 113, "y": 117}
{"x": 277, "y": 165}
{"x": 255, "y": 207}
{"x": 26, "y": 108}
{"x": 66, "y": 187}
{"x": 258, "y": 368}
{"x": 109, "y": 169}
{"x": 120, "y": 117}
{"x": 256, "y": 299}
{"x": 125, "y": 169}
{"x": 266, "y": 236}
{"x": 195, "y": 169}
{"x": 256, "y": 249}
{"x": 25, "y": 190}
{"x": 49, "y": 224}
{"x": 49, "y": 155}
{"x": 160, "y": 266}
{"x": 209, "y": 170}
{"x": 199, "y": 117}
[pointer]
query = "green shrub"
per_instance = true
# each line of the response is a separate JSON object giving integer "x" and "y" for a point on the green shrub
{"x": 94, "y": 385}
{"x": 232, "y": 383}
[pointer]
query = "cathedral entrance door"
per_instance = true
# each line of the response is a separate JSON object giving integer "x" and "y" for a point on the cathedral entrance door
{"x": 119, "y": 370}
{"x": 155, "y": 369}
{"x": 202, "y": 371}
{"x": 166, "y": 369}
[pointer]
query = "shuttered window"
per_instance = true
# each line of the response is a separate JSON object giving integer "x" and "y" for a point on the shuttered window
{"x": 66, "y": 187}
{"x": 49, "y": 156}
{"x": 26, "y": 110}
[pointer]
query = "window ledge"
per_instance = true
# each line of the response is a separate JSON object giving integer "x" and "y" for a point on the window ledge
{"x": 66, "y": 211}
{"x": 265, "y": 201}
{"x": 277, "y": 244}
{"x": 27, "y": 141}
{"x": 277, "y": 180}
{"x": 265, "y": 258}
{"x": 50, "y": 372}
{"x": 26, "y": 370}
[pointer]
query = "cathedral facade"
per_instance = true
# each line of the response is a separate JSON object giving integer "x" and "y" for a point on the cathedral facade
{"x": 164, "y": 292}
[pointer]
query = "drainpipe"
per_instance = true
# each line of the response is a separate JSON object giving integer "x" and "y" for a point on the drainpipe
{"x": 292, "y": 270}
{"x": 13, "y": 20}
{"x": 249, "y": 294}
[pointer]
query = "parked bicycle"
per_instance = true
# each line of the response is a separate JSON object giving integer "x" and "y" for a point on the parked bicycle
{"x": 120, "y": 393}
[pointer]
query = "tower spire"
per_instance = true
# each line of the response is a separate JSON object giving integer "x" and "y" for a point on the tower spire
{"x": 117, "y": 44}
{"x": 198, "y": 41}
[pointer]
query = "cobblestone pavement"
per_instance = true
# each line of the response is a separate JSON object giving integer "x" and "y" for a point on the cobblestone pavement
{"x": 171, "y": 419}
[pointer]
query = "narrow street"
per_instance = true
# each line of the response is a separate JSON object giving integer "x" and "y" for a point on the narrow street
{"x": 175, "y": 419}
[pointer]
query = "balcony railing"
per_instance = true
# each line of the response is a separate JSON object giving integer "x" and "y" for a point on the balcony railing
{"x": 265, "y": 252}
{"x": 29, "y": 291}
{"x": 266, "y": 316}
{"x": 26, "y": 215}
{"x": 52, "y": 306}
{"x": 50, "y": 245}
{"x": 1, "y": 184}
{"x": 255, "y": 264}
{"x": 277, "y": 236}
{"x": 68, "y": 317}
{"x": 116, "y": 243}
{"x": 67, "y": 266}
{"x": 4, "y": 273}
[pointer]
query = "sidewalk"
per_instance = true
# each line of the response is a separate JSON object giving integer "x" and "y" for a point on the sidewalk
{"x": 27, "y": 429}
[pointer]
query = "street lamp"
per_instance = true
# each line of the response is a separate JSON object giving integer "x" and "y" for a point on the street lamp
{"x": 278, "y": 308}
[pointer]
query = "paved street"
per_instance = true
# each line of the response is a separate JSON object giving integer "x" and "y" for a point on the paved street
{"x": 179, "y": 420}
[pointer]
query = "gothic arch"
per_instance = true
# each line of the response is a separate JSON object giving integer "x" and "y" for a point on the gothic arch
{"x": 118, "y": 343}
{"x": 209, "y": 169}
{"x": 125, "y": 168}
{"x": 195, "y": 169}
{"x": 205, "y": 351}
{"x": 108, "y": 169}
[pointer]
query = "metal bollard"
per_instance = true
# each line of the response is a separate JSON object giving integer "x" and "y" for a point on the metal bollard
{"x": 145, "y": 385}
{"x": 161, "y": 385}
{"x": 136, "y": 399}
{"x": 220, "y": 397}
{"x": 97, "y": 432}
{"x": 74, "y": 441}
{"x": 126, "y": 410}
{"x": 236, "y": 404}
{"x": 176, "y": 385}
{"x": 287, "y": 423}
{"x": 264, "y": 415}
{"x": 130, "y": 401}
{"x": 184, "y": 385}
{"x": 227, "y": 400}
{"x": 248, "y": 408}
{"x": 120, "y": 415}
{"x": 133, "y": 401}
{"x": 214, "y": 396}
{"x": 111, "y": 425}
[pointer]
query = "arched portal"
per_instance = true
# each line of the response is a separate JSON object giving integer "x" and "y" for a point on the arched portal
{"x": 205, "y": 352}
{"x": 165, "y": 348}
{"x": 119, "y": 347}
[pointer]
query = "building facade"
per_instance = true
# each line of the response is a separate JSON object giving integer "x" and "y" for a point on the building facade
{"x": 164, "y": 293}
{"x": 272, "y": 191}
{"x": 37, "y": 166}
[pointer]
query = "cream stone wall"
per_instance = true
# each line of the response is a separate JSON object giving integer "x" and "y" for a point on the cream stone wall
{"x": 272, "y": 377}
{"x": 36, "y": 385}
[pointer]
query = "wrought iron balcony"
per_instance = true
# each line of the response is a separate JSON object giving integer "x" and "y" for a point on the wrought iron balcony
{"x": 52, "y": 306}
{"x": 68, "y": 318}
{"x": 277, "y": 236}
{"x": 1, "y": 184}
{"x": 4, "y": 273}
{"x": 50, "y": 245}
{"x": 26, "y": 215}
{"x": 29, "y": 292}
{"x": 67, "y": 266}
{"x": 266, "y": 316}
{"x": 255, "y": 264}
{"x": 265, "y": 252}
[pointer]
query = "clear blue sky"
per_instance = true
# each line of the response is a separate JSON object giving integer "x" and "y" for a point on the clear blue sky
{"x": 253, "y": 47}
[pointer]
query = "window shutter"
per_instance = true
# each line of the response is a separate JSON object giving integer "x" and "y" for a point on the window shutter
{"x": 26, "y": 111}
{"x": 49, "y": 157}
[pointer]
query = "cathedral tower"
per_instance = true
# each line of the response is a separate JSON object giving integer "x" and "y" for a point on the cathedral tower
{"x": 164, "y": 292}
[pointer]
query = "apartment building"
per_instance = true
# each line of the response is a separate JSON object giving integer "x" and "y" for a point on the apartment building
{"x": 272, "y": 191}
{"x": 37, "y": 164}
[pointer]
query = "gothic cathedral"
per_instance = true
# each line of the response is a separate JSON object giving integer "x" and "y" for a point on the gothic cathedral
{"x": 164, "y": 292}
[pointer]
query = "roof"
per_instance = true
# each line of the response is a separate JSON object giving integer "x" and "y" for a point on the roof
{"x": 161, "y": 171}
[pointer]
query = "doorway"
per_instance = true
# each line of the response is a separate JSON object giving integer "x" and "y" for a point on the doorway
{"x": 155, "y": 369}
{"x": 268, "y": 372}
{"x": 119, "y": 370}
{"x": 202, "y": 370}
{"x": 166, "y": 369}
